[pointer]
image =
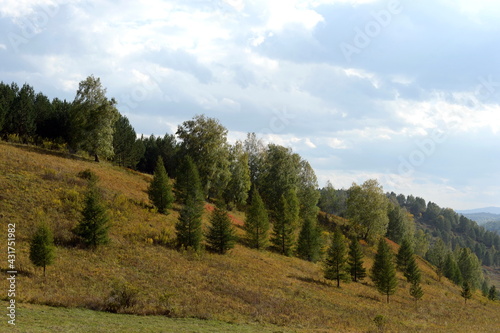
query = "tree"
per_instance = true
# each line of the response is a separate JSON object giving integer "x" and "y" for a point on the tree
{"x": 160, "y": 189}
{"x": 221, "y": 234}
{"x": 421, "y": 243}
{"x": 451, "y": 269}
{"x": 239, "y": 184}
{"x": 492, "y": 293}
{"x": 257, "y": 223}
{"x": 94, "y": 225}
{"x": 128, "y": 150}
{"x": 280, "y": 175}
{"x": 383, "y": 272}
{"x": 327, "y": 199}
{"x": 416, "y": 291}
{"x": 308, "y": 244}
{"x": 93, "y": 119}
{"x": 405, "y": 253}
{"x": 205, "y": 140}
{"x": 358, "y": 272}
{"x": 256, "y": 151}
{"x": 42, "y": 247}
{"x": 437, "y": 256}
{"x": 285, "y": 223}
{"x": 22, "y": 117}
{"x": 307, "y": 191}
{"x": 470, "y": 267}
{"x": 188, "y": 227}
{"x": 466, "y": 291}
{"x": 188, "y": 182}
{"x": 412, "y": 271}
{"x": 336, "y": 261}
{"x": 367, "y": 209}
{"x": 400, "y": 225}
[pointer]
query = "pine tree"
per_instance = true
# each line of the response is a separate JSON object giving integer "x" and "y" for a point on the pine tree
{"x": 412, "y": 271}
{"x": 451, "y": 270}
{"x": 160, "y": 190}
{"x": 404, "y": 255}
{"x": 416, "y": 291}
{"x": 188, "y": 227}
{"x": 383, "y": 272}
{"x": 466, "y": 291}
{"x": 492, "y": 293}
{"x": 188, "y": 181}
{"x": 285, "y": 224}
{"x": 308, "y": 245}
{"x": 257, "y": 223}
{"x": 358, "y": 272}
{"x": 42, "y": 247}
{"x": 336, "y": 261}
{"x": 93, "y": 228}
{"x": 221, "y": 233}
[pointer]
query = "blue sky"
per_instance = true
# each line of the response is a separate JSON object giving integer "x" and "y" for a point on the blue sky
{"x": 403, "y": 91}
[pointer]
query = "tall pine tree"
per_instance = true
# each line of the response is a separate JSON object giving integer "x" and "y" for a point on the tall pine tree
{"x": 336, "y": 261}
{"x": 221, "y": 234}
{"x": 188, "y": 181}
{"x": 383, "y": 272}
{"x": 257, "y": 223}
{"x": 358, "y": 272}
{"x": 160, "y": 189}
{"x": 404, "y": 255}
{"x": 412, "y": 271}
{"x": 285, "y": 223}
{"x": 42, "y": 247}
{"x": 308, "y": 245}
{"x": 94, "y": 225}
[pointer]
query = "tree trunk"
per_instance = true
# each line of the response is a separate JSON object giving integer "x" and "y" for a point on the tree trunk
{"x": 96, "y": 158}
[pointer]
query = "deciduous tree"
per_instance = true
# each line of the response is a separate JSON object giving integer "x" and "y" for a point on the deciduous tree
{"x": 93, "y": 119}
{"x": 367, "y": 209}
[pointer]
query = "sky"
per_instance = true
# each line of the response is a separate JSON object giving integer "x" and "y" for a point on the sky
{"x": 403, "y": 91}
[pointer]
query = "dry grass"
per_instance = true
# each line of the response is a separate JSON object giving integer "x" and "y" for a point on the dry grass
{"x": 245, "y": 286}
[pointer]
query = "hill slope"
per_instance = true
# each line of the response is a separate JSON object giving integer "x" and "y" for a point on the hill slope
{"x": 245, "y": 286}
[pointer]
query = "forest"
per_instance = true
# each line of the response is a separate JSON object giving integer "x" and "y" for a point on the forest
{"x": 286, "y": 211}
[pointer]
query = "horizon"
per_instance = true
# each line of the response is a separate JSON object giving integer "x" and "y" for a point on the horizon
{"x": 361, "y": 89}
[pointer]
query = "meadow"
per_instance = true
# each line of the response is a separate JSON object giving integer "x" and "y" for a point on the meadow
{"x": 245, "y": 290}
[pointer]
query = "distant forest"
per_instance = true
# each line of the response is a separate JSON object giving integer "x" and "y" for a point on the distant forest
{"x": 92, "y": 123}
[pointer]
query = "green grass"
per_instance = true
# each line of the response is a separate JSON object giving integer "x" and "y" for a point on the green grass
{"x": 38, "y": 318}
{"x": 249, "y": 289}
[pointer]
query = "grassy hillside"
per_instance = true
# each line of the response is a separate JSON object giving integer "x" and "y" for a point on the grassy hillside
{"x": 243, "y": 287}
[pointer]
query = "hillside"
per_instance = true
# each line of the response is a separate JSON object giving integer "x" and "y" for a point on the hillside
{"x": 243, "y": 287}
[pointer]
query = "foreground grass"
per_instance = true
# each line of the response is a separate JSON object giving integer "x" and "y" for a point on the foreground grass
{"x": 246, "y": 288}
{"x": 38, "y": 318}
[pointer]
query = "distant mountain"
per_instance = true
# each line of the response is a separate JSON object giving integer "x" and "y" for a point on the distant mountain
{"x": 482, "y": 218}
{"x": 490, "y": 210}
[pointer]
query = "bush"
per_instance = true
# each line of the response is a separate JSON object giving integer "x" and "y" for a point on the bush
{"x": 88, "y": 175}
{"x": 122, "y": 296}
